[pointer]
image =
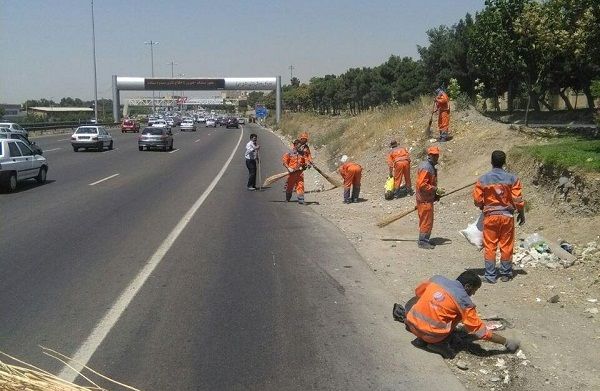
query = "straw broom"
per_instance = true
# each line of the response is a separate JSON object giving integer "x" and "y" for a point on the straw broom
{"x": 398, "y": 216}
{"x": 31, "y": 378}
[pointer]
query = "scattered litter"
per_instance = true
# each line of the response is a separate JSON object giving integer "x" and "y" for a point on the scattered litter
{"x": 460, "y": 364}
{"x": 521, "y": 355}
{"x": 568, "y": 247}
{"x": 500, "y": 363}
{"x": 538, "y": 299}
{"x": 484, "y": 371}
{"x": 592, "y": 310}
{"x": 554, "y": 299}
{"x": 494, "y": 325}
{"x": 592, "y": 300}
{"x": 495, "y": 379}
{"x": 534, "y": 251}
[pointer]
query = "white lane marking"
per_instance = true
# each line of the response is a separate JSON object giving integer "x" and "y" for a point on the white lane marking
{"x": 63, "y": 139}
{"x": 103, "y": 179}
{"x": 88, "y": 348}
{"x": 53, "y": 149}
{"x": 110, "y": 150}
{"x": 175, "y": 150}
{"x": 197, "y": 140}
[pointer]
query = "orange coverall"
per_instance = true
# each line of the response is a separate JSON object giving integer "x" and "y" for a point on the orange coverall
{"x": 296, "y": 161}
{"x": 425, "y": 194}
{"x": 352, "y": 173}
{"x": 442, "y": 304}
{"x": 399, "y": 161}
{"x": 443, "y": 107}
{"x": 498, "y": 194}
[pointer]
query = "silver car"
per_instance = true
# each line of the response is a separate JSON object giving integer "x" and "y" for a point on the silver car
{"x": 154, "y": 137}
{"x": 94, "y": 137}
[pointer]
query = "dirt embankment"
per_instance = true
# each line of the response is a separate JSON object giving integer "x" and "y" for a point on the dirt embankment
{"x": 560, "y": 335}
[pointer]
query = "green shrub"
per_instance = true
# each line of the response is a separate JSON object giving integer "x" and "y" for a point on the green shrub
{"x": 453, "y": 89}
{"x": 462, "y": 102}
{"x": 567, "y": 154}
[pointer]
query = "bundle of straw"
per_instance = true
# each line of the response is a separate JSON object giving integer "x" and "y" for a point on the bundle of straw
{"x": 24, "y": 376}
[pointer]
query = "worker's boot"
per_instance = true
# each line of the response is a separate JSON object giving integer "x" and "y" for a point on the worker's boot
{"x": 424, "y": 242}
{"x": 400, "y": 192}
{"x": 301, "y": 199}
{"x": 347, "y": 196}
{"x": 355, "y": 193}
{"x": 288, "y": 196}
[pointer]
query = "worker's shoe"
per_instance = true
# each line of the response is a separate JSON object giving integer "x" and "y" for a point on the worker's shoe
{"x": 288, "y": 197}
{"x": 443, "y": 349}
{"x": 251, "y": 188}
{"x": 486, "y": 280}
{"x": 398, "y": 313}
{"x": 505, "y": 278}
{"x": 300, "y": 201}
{"x": 411, "y": 192}
{"x": 425, "y": 245}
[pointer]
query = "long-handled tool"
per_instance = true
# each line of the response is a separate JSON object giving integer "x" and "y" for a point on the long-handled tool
{"x": 259, "y": 173}
{"x": 428, "y": 131}
{"x": 329, "y": 178}
{"x": 398, "y": 216}
{"x": 275, "y": 178}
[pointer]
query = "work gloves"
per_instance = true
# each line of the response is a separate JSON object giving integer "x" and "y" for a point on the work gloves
{"x": 512, "y": 345}
{"x": 521, "y": 217}
{"x": 290, "y": 169}
{"x": 439, "y": 192}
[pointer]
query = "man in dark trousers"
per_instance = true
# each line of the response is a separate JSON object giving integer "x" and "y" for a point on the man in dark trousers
{"x": 251, "y": 156}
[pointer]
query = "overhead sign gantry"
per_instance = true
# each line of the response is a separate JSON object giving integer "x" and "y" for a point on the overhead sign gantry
{"x": 121, "y": 83}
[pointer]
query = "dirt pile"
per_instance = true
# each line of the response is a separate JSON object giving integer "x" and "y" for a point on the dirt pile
{"x": 559, "y": 336}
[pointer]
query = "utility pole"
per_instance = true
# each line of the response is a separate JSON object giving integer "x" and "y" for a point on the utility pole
{"x": 152, "y": 43}
{"x": 172, "y": 64}
{"x": 291, "y": 73}
{"x": 95, "y": 77}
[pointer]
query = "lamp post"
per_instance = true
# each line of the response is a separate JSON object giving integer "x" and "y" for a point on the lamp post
{"x": 172, "y": 64}
{"x": 182, "y": 92}
{"x": 152, "y": 43}
{"x": 95, "y": 75}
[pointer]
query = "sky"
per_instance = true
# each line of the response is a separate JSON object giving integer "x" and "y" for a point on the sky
{"x": 47, "y": 45}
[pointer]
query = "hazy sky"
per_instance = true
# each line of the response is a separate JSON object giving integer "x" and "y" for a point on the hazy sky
{"x": 46, "y": 46}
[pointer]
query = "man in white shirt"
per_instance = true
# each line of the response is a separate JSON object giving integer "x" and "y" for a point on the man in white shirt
{"x": 251, "y": 156}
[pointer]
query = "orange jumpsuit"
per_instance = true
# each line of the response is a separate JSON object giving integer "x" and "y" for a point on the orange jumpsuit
{"x": 442, "y": 304}
{"x": 351, "y": 172}
{"x": 295, "y": 160}
{"x": 399, "y": 161}
{"x": 443, "y": 107}
{"x": 425, "y": 194}
{"x": 498, "y": 194}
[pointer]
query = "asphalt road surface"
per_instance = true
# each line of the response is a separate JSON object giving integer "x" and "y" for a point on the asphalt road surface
{"x": 162, "y": 271}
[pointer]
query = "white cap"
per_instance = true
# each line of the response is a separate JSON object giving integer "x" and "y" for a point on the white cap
{"x": 344, "y": 159}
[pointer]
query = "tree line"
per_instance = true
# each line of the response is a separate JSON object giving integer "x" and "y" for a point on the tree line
{"x": 526, "y": 50}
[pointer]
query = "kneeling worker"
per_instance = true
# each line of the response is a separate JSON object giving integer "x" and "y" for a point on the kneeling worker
{"x": 441, "y": 304}
{"x": 351, "y": 172}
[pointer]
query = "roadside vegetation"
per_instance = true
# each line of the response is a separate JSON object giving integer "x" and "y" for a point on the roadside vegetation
{"x": 571, "y": 153}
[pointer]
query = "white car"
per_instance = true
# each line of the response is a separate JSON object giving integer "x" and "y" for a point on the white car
{"x": 19, "y": 162}
{"x": 89, "y": 136}
{"x": 15, "y": 128}
{"x": 187, "y": 124}
{"x": 211, "y": 122}
{"x": 161, "y": 123}
{"x": 241, "y": 120}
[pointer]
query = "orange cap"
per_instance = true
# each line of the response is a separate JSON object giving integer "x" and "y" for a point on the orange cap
{"x": 303, "y": 135}
{"x": 433, "y": 151}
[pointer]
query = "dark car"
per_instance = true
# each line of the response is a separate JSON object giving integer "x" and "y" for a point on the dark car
{"x": 232, "y": 122}
{"x": 221, "y": 121}
{"x": 154, "y": 137}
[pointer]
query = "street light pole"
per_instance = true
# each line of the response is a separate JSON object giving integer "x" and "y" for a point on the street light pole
{"x": 152, "y": 43}
{"x": 172, "y": 64}
{"x": 95, "y": 75}
{"x": 182, "y": 92}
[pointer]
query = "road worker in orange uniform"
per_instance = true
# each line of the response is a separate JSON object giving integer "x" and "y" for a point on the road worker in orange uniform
{"x": 398, "y": 161}
{"x": 440, "y": 304}
{"x": 426, "y": 195}
{"x": 305, "y": 148}
{"x": 295, "y": 162}
{"x": 498, "y": 194}
{"x": 442, "y": 104}
{"x": 351, "y": 172}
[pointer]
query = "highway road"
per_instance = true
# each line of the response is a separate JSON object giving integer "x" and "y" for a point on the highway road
{"x": 162, "y": 271}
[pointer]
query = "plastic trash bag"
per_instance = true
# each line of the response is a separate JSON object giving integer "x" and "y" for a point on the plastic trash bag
{"x": 474, "y": 233}
{"x": 389, "y": 189}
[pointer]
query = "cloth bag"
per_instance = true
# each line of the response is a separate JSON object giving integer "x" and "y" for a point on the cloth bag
{"x": 389, "y": 189}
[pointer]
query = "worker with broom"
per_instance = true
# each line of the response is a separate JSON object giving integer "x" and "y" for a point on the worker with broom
{"x": 498, "y": 194}
{"x": 295, "y": 162}
{"x": 351, "y": 172}
{"x": 398, "y": 161}
{"x": 442, "y": 104}
{"x": 426, "y": 194}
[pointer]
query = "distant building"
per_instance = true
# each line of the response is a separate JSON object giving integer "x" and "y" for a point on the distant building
{"x": 45, "y": 111}
{"x": 12, "y": 110}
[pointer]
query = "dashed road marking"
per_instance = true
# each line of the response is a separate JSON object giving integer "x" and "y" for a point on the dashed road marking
{"x": 175, "y": 150}
{"x": 103, "y": 179}
{"x": 53, "y": 149}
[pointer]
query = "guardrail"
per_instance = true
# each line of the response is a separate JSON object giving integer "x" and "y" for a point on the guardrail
{"x": 60, "y": 125}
